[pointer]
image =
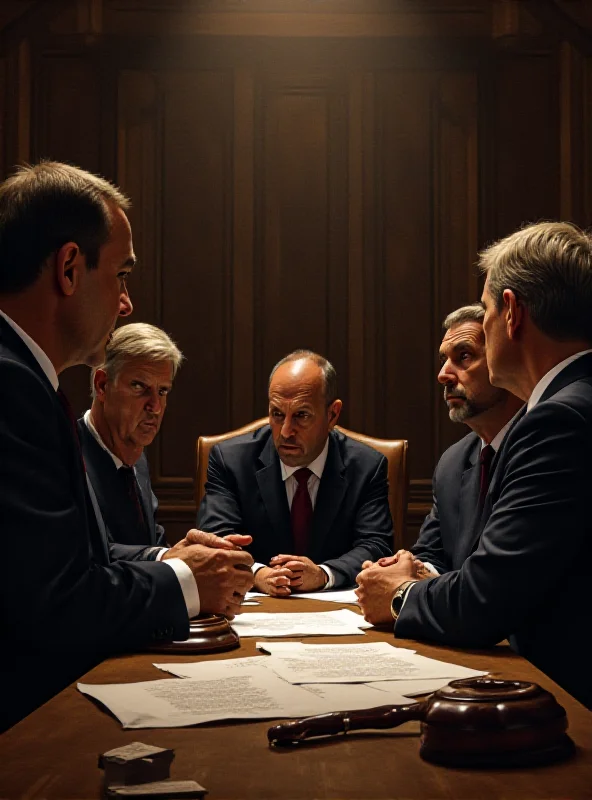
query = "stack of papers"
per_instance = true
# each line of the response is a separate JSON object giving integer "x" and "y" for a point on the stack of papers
{"x": 296, "y": 680}
{"x": 322, "y": 623}
{"x": 338, "y": 596}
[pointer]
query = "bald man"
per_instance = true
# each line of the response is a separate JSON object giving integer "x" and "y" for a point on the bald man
{"x": 314, "y": 500}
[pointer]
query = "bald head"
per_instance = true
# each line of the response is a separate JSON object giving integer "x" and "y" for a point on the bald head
{"x": 299, "y": 414}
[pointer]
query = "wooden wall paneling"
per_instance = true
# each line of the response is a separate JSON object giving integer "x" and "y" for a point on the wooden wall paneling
{"x": 243, "y": 312}
{"x": 301, "y": 230}
{"x": 586, "y": 165}
{"x": 526, "y": 137}
{"x": 571, "y": 134}
{"x": 3, "y": 115}
{"x": 194, "y": 300}
{"x": 404, "y": 169}
{"x": 456, "y": 217}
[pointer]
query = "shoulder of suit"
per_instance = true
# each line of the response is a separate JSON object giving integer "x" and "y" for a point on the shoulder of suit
{"x": 459, "y": 449}
{"x": 354, "y": 449}
{"x": 253, "y": 441}
{"x": 24, "y": 377}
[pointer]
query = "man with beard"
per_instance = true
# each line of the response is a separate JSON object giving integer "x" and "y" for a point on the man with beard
{"x": 446, "y": 536}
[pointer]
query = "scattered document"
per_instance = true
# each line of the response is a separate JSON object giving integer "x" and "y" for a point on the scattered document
{"x": 224, "y": 667}
{"x": 359, "y": 663}
{"x": 416, "y": 686}
{"x": 338, "y": 596}
{"x": 321, "y": 623}
{"x": 355, "y": 696}
{"x": 249, "y": 693}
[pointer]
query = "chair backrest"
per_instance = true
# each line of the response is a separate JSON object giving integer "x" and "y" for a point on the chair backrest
{"x": 394, "y": 450}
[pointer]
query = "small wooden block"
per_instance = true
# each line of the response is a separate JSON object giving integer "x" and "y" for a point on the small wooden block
{"x": 136, "y": 763}
{"x": 163, "y": 790}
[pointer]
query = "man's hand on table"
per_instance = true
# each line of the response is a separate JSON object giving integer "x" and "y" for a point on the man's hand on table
{"x": 377, "y": 584}
{"x": 274, "y": 581}
{"x": 222, "y": 572}
{"x": 306, "y": 576}
{"x": 234, "y": 541}
{"x": 422, "y": 571}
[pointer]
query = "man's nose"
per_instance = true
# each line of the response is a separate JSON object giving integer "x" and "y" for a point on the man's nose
{"x": 125, "y": 304}
{"x": 447, "y": 376}
{"x": 154, "y": 403}
{"x": 287, "y": 427}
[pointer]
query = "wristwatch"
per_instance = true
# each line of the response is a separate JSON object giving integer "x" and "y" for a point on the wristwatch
{"x": 399, "y": 598}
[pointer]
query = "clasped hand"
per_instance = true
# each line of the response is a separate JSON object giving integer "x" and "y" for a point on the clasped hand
{"x": 287, "y": 574}
{"x": 378, "y": 581}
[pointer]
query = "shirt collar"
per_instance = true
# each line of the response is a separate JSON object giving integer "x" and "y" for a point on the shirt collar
{"x": 41, "y": 358}
{"x": 89, "y": 424}
{"x": 317, "y": 466}
{"x": 499, "y": 437}
{"x": 545, "y": 381}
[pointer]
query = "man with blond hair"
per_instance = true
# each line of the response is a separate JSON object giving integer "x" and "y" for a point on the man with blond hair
{"x": 527, "y": 579}
{"x": 130, "y": 391}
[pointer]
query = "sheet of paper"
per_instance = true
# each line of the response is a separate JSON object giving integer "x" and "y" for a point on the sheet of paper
{"x": 360, "y": 663}
{"x": 337, "y": 596}
{"x": 226, "y": 666}
{"x": 354, "y": 696}
{"x": 413, "y": 687}
{"x": 250, "y": 693}
{"x": 322, "y": 623}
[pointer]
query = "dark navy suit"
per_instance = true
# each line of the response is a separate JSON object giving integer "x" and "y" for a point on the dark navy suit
{"x": 63, "y": 605}
{"x": 117, "y": 508}
{"x": 351, "y": 519}
{"x": 446, "y": 536}
{"x": 528, "y": 575}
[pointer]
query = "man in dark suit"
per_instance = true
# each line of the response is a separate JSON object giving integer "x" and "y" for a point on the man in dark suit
{"x": 446, "y": 536}
{"x": 314, "y": 500}
{"x": 130, "y": 390}
{"x": 65, "y": 253}
{"x": 527, "y": 576}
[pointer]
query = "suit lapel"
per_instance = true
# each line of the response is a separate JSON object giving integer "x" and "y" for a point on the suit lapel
{"x": 578, "y": 369}
{"x": 273, "y": 494}
{"x": 146, "y": 500}
{"x": 468, "y": 512}
{"x": 332, "y": 488}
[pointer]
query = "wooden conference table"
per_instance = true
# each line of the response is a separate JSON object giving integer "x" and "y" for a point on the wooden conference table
{"x": 53, "y": 752}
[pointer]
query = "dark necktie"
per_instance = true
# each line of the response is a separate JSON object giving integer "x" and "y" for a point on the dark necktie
{"x": 301, "y": 512}
{"x": 487, "y": 454}
{"x": 128, "y": 476}
{"x": 72, "y": 419}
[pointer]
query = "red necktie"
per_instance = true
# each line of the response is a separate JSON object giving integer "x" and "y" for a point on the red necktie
{"x": 487, "y": 454}
{"x": 301, "y": 512}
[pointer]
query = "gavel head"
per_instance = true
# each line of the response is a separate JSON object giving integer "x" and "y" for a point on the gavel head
{"x": 490, "y": 722}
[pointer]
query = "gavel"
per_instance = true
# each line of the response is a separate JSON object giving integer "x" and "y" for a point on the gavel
{"x": 479, "y": 722}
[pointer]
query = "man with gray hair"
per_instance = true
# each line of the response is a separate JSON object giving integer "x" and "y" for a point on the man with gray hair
{"x": 130, "y": 390}
{"x": 528, "y": 577}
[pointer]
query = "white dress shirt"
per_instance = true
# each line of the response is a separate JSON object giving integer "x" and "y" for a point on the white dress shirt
{"x": 316, "y": 467}
{"x": 181, "y": 570}
{"x": 545, "y": 381}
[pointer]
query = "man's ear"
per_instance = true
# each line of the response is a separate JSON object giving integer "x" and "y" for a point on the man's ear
{"x": 100, "y": 381}
{"x": 68, "y": 262}
{"x": 334, "y": 411}
{"x": 514, "y": 314}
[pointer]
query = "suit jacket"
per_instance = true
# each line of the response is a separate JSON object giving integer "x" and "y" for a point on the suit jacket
{"x": 527, "y": 577}
{"x": 63, "y": 606}
{"x": 447, "y": 536}
{"x": 117, "y": 508}
{"x": 351, "y": 519}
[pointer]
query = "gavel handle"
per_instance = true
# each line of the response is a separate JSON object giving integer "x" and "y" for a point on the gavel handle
{"x": 382, "y": 717}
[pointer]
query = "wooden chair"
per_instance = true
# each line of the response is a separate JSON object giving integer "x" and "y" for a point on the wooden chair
{"x": 395, "y": 451}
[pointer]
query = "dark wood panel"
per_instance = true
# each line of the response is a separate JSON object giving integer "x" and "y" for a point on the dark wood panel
{"x": 301, "y": 233}
{"x": 194, "y": 287}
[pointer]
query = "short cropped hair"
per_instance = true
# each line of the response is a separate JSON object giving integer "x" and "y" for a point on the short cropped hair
{"x": 137, "y": 340}
{"x": 328, "y": 370}
{"x": 473, "y": 313}
{"x": 548, "y": 265}
{"x": 44, "y": 206}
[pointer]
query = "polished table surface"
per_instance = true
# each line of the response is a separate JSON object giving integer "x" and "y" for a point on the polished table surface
{"x": 53, "y": 752}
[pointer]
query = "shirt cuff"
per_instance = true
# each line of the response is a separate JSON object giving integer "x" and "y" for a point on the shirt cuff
{"x": 331, "y": 577}
{"x": 187, "y": 583}
{"x": 256, "y": 567}
{"x": 431, "y": 567}
{"x": 161, "y": 552}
